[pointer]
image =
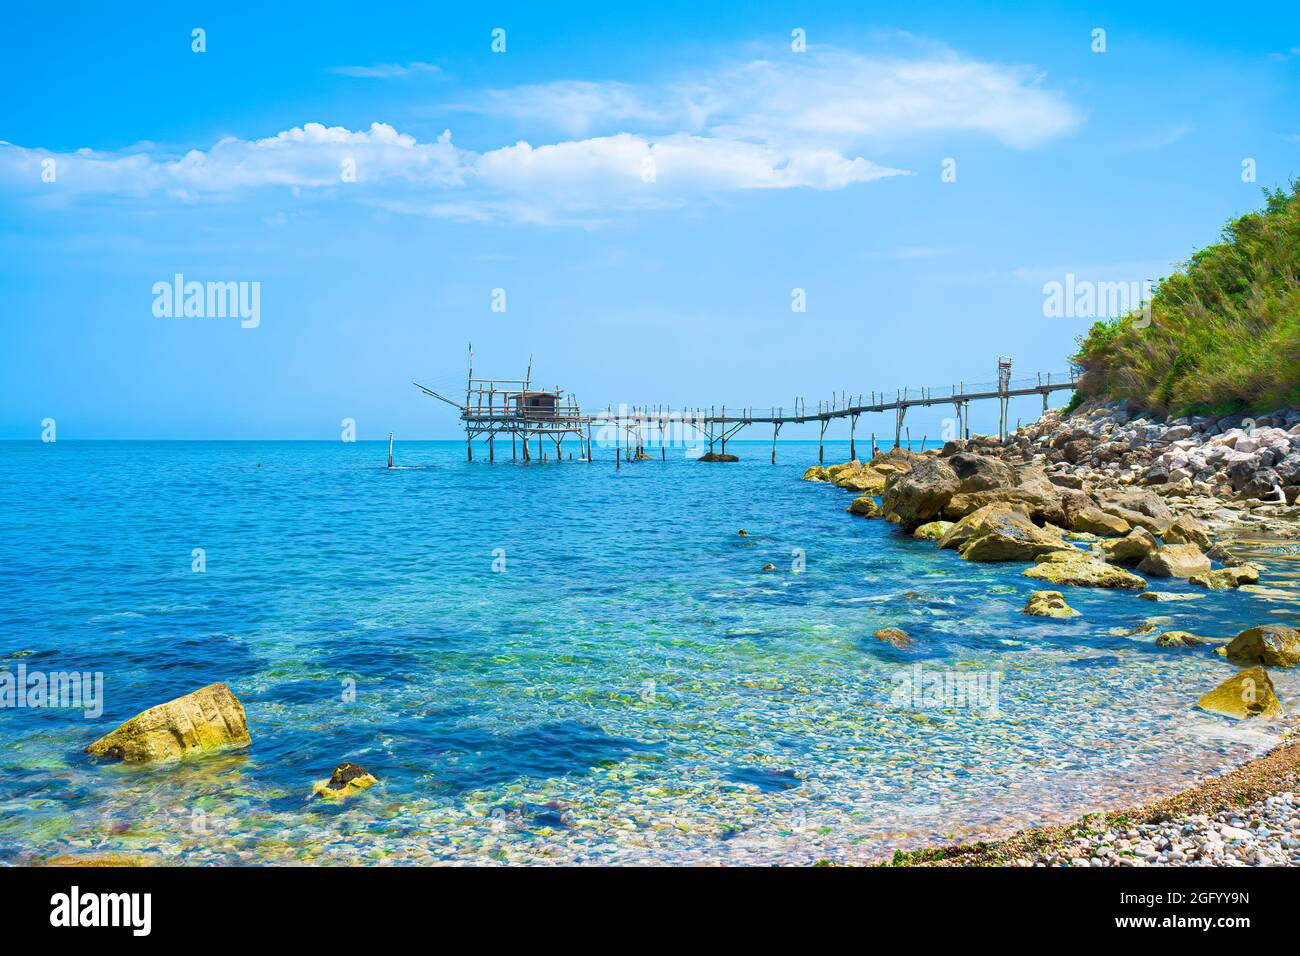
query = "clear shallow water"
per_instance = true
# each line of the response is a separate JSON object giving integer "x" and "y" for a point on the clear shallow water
{"x": 632, "y": 688}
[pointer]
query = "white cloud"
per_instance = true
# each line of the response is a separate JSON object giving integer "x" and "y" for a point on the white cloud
{"x": 386, "y": 71}
{"x": 830, "y": 97}
{"x": 767, "y": 124}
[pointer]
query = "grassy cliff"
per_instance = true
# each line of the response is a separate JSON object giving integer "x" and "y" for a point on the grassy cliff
{"x": 1224, "y": 332}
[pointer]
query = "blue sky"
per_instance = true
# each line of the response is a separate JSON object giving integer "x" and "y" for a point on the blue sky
{"x": 769, "y": 170}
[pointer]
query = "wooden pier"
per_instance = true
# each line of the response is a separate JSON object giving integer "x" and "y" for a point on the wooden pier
{"x": 496, "y": 406}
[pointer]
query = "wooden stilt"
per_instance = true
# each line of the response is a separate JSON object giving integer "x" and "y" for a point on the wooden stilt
{"x": 390, "y": 449}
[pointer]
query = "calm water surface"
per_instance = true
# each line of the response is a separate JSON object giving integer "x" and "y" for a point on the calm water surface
{"x": 626, "y": 686}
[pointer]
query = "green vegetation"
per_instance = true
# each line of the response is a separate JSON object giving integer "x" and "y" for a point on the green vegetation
{"x": 1224, "y": 334}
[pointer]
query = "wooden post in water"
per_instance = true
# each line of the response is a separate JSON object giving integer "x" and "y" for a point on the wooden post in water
{"x": 853, "y": 448}
{"x": 390, "y": 449}
{"x": 776, "y": 430}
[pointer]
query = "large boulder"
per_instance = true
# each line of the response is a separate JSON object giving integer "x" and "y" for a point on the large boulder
{"x": 1187, "y": 530}
{"x": 1138, "y": 507}
{"x": 863, "y": 480}
{"x": 1272, "y": 645}
{"x": 210, "y": 719}
{"x": 1131, "y": 549}
{"x": 981, "y": 472}
{"x": 1001, "y": 532}
{"x": 817, "y": 473}
{"x": 920, "y": 494}
{"x": 1248, "y": 694}
{"x": 1092, "y": 520}
{"x": 1175, "y": 561}
{"x": 1083, "y": 571}
{"x": 1233, "y": 576}
{"x": 1048, "y": 604}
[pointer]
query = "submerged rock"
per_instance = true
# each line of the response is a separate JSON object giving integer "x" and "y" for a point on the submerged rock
{"x": 1272, "y": 645}
{"x": 1175, "y": 561}
{"x": 1048, "y": 604}
{"x": 895, "y": 637}
{"x": 717, "y": 456}
{"x": 1230, "y": 577}
{"x": 1084, "y": 571}
{"x": 1167, "y": 596}
{"x": 932, "y": 530}
{"x": 1248, "y": 694}
{"x": 209, "y": 719}
{"x": 769, "y": 567}
{"x": 346, "y": 780}
{"x": 1182, "y": 639}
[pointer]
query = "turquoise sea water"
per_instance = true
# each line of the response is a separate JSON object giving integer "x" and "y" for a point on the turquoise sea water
{"x": 626, "y": 686}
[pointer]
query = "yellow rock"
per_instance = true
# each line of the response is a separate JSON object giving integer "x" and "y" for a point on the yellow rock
{"x": 209, "y": 719}
{"x": 1249, "y": 694}
{"x": 1272, "y": 645}
{"x": 895, "y": 637}
{"x": 866, "y": 506}
{"x": 932, "y": 530}
{"x": 816, "y": 473}
{"x": 1230, "y": 577}
{"x": 348, "y": 779}
{"x": 1084, "y": 572}
{"x": 1048, "y": 604}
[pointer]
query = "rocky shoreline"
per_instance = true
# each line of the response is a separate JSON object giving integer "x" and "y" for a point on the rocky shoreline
{"x": 1107, "y": 498}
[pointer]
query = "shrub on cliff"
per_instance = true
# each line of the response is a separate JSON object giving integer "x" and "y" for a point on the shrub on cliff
{"x": 1224, "y": 332}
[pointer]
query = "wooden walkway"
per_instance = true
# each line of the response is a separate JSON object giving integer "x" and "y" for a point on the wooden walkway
{"x": 719, "y": 424}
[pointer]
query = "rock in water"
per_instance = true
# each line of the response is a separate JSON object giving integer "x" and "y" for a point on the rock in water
{"x": 1230, "y": 577}
{"x": 895, "y": 637}
{"x": 1181, "y": 639}
{"x": 932, "y": 530}
{"x": 1082, "y": 571}
{"x": 919, "y": 495}
{"x": 717, "y": 456}
{"x": 1131, "y": 549}
{"x": 1048, "y": 604}
{"x": 1272, "y": 645}
{"x": 209, "y": 719}
{"x": 1175, "y": 561}
{"x": 1167, "y": 596}
{"x": 816, "y": 473}
{"x": 769, "y": 567}
{"x": 347, "y": 779}
{"x": 866, "y": 506}
{"x": 1249, "y": 694}
{"x": 1000, "y": 532}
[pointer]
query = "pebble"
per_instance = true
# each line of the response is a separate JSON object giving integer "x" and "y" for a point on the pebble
{"x": 1264, "y": 834}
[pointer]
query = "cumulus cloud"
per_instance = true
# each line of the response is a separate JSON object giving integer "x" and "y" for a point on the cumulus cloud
{"x": 797, "y": 123}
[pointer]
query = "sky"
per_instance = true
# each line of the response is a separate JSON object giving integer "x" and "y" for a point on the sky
{"x": 639, "y": 197}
